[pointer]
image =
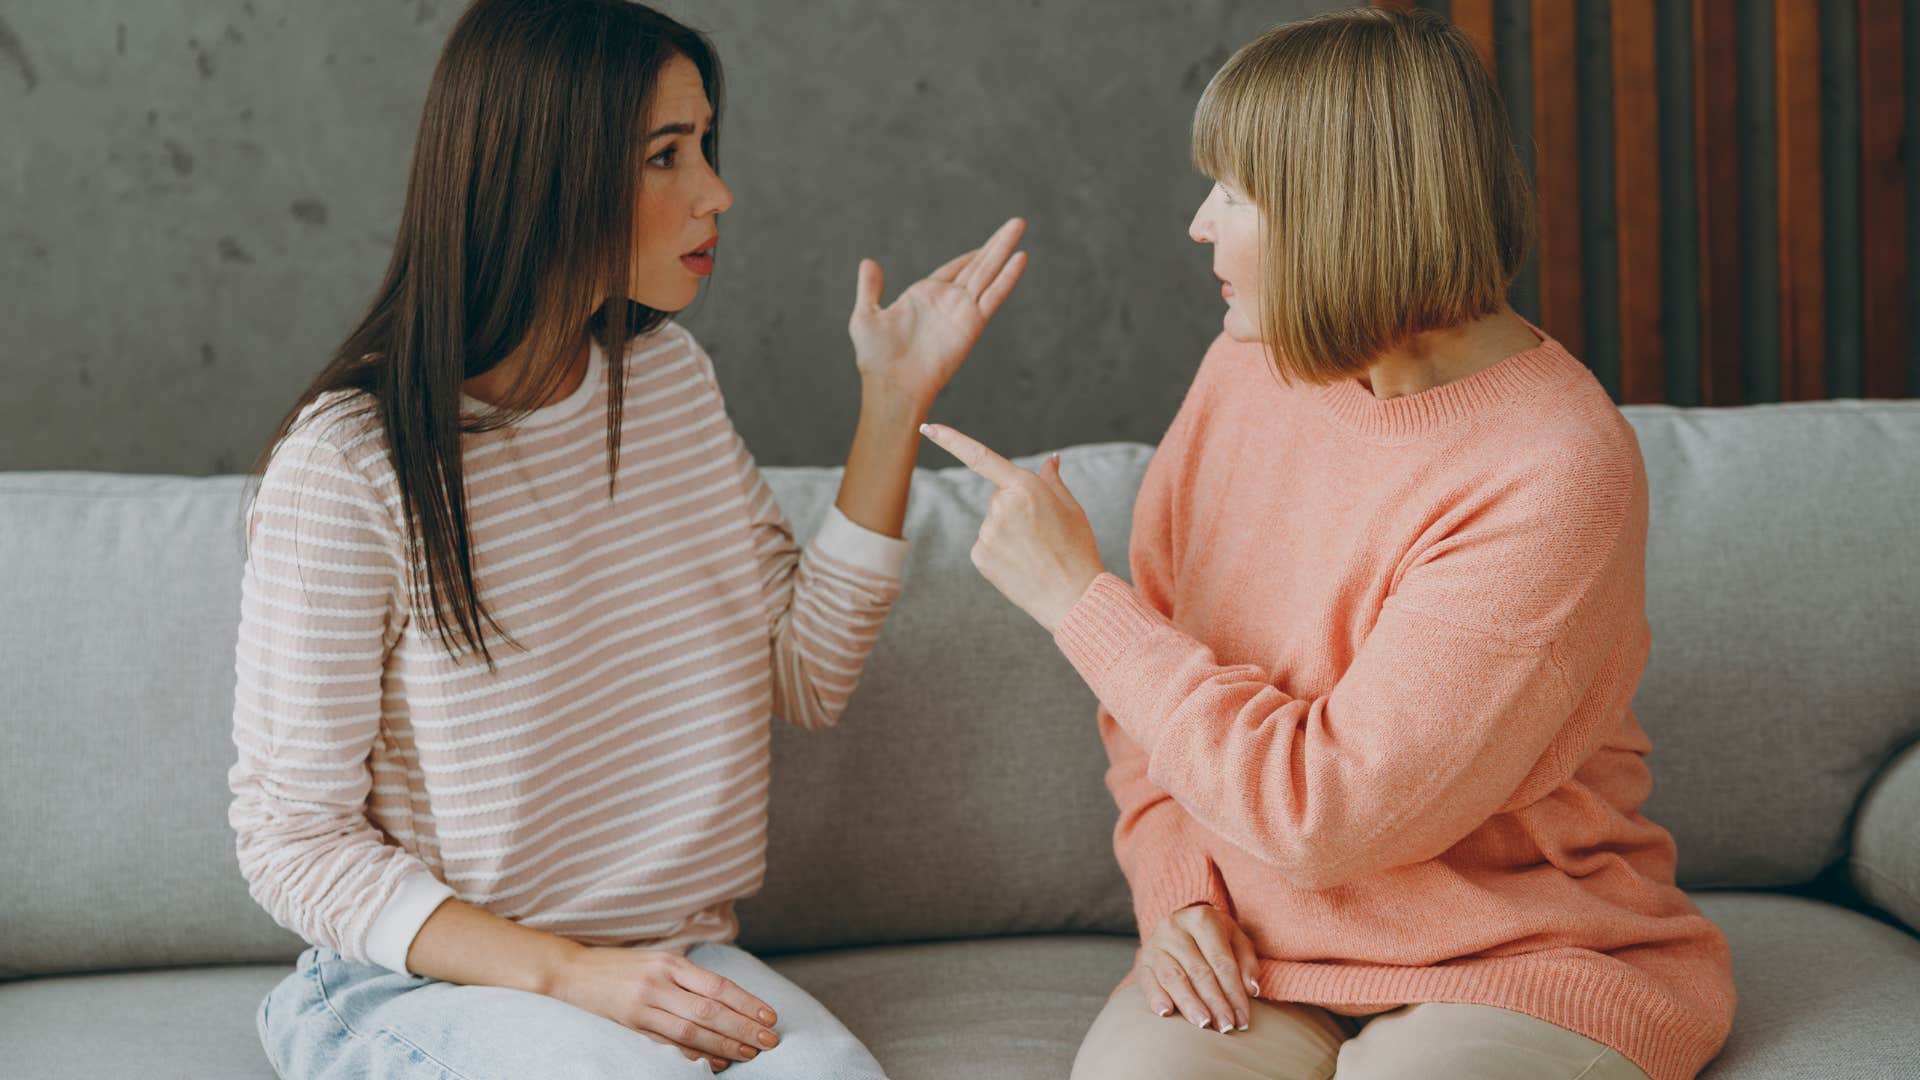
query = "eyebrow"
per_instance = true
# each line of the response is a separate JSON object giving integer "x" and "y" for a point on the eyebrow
{"x": 678, "y": 128}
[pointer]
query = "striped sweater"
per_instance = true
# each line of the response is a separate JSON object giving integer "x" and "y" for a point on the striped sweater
{"x": 608, "y": 783}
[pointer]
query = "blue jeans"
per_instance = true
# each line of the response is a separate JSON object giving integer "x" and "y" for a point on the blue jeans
{"x": 340, "y": 1019}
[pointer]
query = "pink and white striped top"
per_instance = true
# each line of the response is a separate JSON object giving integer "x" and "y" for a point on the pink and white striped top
{"x": 608, "y": 783}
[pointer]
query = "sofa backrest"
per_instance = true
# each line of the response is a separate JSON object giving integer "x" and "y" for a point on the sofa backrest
{"x": 962, "y": 793}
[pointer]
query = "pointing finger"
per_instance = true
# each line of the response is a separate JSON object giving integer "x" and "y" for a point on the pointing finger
{"x": 976, "y": 456}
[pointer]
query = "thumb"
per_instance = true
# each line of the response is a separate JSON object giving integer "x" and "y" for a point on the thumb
{"x": 1249, "y": 960}
{"x": 1050, "y": 472}
{"x": 866, "y": 290}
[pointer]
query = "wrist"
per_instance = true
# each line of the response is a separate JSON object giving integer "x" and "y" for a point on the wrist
{"x": 555, "y": 966}
{"x": 1070, "y": 597}
{"x": 886, "y": 401}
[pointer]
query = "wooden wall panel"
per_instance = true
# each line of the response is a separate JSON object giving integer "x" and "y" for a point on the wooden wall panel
{"x": 1475, "y": 19}
{"x": 1716, "y": 171}
{"x": 1883, "y": 203}
{"x": 1556, "y": 137}
{"x": 1636, "y": 187}
{"x": 1803, "y": 279}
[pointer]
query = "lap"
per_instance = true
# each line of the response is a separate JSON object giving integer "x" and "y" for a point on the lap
{"x": 335, "y": 1019}
{"x": 1443, "y": 1040}
{"x": 1283, "y": 1041}
{"x": 1293, "y": 1041}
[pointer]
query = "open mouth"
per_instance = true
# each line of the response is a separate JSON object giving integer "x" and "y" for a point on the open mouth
{"x": 700, "y": 259}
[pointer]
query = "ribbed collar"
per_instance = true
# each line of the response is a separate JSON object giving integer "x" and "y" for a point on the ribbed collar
{"x": 1354, "y": 408}
{"x": 564, "y": 409}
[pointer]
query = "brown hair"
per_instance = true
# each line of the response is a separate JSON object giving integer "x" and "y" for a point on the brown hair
{"x": 518, "y": 223}
{"x": 1377, "y": 150}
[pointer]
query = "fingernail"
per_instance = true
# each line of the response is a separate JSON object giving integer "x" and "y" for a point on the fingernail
{"x": 1207, "y": 1023}
{"x": 1165, "y": 1012}
{"x": 1253, "y": 988}
{"x": 926, "y": 429}
{"x": 766, "y": 1016}
{"x": 768, "y": 1039}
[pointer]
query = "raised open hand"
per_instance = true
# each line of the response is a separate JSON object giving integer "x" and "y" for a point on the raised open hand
{"x": 914, "y": 345}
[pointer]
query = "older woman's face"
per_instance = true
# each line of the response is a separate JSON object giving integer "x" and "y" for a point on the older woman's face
{"x": 681, "y": 197}
{"x": 1231, "y": 223}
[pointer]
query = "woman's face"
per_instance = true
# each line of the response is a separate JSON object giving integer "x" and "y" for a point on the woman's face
{"x": 681, "y": 197}
{"x": 1231, "y": 223}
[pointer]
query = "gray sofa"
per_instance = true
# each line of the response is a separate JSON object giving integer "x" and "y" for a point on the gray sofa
{"x": 941, "y": 874}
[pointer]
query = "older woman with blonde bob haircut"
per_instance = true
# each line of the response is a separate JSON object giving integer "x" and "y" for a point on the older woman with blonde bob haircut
{"x": 1367, "y": 698}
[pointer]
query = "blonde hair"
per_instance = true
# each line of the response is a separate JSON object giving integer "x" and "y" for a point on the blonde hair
{"x": 1391, "y": 200}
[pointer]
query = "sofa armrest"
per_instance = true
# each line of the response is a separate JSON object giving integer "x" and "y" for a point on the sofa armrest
{"x": 1885, "y": 855}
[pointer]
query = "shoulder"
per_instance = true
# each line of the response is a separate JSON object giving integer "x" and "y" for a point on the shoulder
{"x": 1572, "y": 451}
{"x": 666, "y": 347}
{"x": 334, "y": 451}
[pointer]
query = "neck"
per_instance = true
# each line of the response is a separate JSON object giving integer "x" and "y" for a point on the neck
{"x": 497, "y": 385}
{"x": 1436, "y": 357}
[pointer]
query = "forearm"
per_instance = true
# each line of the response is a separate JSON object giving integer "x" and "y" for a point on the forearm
{"x": 460, "y": 943}
{"x": 879, "y": 472}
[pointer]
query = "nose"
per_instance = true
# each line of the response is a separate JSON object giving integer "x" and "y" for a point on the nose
{"x": 1201, "y": 227}
{"x": 718, "y": 198}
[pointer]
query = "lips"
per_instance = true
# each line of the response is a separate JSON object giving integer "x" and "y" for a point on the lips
{"x": 1226, "y": 287}
{"x": 700, "y": 259}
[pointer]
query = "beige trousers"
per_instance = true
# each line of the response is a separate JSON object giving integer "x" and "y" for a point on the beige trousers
{"x": 1288, "y": 1041}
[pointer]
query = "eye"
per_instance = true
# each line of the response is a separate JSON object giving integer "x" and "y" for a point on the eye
{"x": 663, "y": 159}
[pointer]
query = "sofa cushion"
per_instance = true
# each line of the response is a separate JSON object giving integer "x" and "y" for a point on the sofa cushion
{"x": 961, "y": 794}
{"x": 1885, "y": 860}
{"x": 1825, "y": 994}
{"x": 1782, "y": 582}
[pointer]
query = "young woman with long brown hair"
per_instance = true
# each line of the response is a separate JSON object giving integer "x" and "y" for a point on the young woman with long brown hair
{"x": 518, "y": 605}
{"x": 1367, "y": 698}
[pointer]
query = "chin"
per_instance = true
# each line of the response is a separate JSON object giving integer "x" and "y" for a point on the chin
{"x": 1237, "y": 328}
{"x": 667, "y": 300}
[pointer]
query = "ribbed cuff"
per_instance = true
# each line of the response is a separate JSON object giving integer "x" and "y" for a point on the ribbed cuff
{"x": 1104, "y": 625}
{"x": 1188, "y": 878}
{"x": 394, "y": 929}
{"x": 842, "y": 540}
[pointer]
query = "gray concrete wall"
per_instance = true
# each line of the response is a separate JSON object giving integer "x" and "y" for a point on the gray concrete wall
{"x": 197, "y": 197}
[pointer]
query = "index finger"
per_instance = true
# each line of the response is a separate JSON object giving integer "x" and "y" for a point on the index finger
{"x": 726, "y": 992}
{"x": 975, "y": 455}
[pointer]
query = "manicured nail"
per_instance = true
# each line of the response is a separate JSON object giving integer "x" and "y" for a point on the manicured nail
{"x": 1253, "y": 988}
{"x": 1207, "y": 1023}
{"x": 766, "y": 1016}
{"x": 768, "y": 1039}
{"x": 1165, "y": 1012}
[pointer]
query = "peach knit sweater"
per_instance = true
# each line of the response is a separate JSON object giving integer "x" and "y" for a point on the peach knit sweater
{"x": 1370, "y": 694}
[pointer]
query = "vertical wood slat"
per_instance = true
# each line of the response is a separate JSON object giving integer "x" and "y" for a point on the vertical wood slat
{"x": 1475, "y": 19}
{"x": 1556, "y": 137}
{"x": 1636, "y": 187}
{"x": 1883, "y": 202}
{"x": 1803, "y": 297}
{"x": 1716, "y": 171}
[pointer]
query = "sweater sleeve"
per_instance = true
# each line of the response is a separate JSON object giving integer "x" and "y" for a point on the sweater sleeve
{"x": 1453, "y": 698}
{"x": 1165, "y": 863}
{"x": 322, "y": 602}
{"x": 825, "y": 604}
